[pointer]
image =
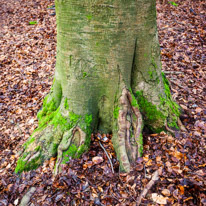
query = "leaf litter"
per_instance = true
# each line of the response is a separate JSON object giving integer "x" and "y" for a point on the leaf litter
{"x": 27, "y": 61}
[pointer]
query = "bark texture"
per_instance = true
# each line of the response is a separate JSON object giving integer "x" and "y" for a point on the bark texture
{"x": 108, "y": 78}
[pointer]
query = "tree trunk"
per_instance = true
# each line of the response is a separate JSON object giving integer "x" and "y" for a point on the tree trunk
{"x": 108, "y": 78}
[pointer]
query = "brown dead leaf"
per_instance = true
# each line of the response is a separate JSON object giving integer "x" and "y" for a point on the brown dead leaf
{"x": 182, "y": 189}
{"x": 97, "y": 160}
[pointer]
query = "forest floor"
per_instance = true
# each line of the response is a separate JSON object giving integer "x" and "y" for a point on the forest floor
{"x": 27, "y": 61}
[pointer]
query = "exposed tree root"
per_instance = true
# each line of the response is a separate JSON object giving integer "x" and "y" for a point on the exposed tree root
{"x": 179, "y": 123}
{"x": 169, "y": 129}
{"x": 181, "y": 126}
{"x": 129, "y": 132}
{"x": 74, "y": 136}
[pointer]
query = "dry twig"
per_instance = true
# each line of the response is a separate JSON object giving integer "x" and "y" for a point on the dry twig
{"x": 107, "y": 156}
{"x": 155, "y": 177}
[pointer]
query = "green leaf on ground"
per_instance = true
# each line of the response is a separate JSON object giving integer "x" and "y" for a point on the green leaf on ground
{"x": 173, "y": 3}
{"x": 32, "y": 22}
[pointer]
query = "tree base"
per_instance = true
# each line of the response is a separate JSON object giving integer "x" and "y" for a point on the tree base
{"x": 67, "y": 135}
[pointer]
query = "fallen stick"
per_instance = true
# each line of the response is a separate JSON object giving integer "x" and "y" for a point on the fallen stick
{"x": 171, "y": 81}
{"x": 155, "y": 177}
{"x": 107, "y": 156}
{"x": 172, "y": 72}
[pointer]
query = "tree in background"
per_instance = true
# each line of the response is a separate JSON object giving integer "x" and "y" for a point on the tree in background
{"x": 108, "y": 78}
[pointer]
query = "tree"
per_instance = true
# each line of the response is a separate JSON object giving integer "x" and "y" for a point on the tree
{"x": 108, "y": 78}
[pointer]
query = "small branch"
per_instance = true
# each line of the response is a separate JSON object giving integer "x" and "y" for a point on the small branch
{"x": 177, "y": 84}
{"x": 172, "y": 72}
{"x": 155, "y": 177}
{"x": 107, "y": 156}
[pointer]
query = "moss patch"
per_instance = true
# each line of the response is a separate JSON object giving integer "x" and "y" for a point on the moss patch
{"x": 28, "y": 142}
{"x": 167, "y": 111}
{"x": 47, "y": 113}
{"x": 37, "y": 148}
{"x": 53, "y": 149}
{"x": 66, "y": 105}
{"x": 116, "y": 112}
{"x": 150, "y": 112}
{"x": 71, "y": 152}
{"x": 27, "y": 166}
{"x": 140, "y": 143}
{"x": 134, "y": 101}
{"x": 51, "y": 115}
{"x": 174, "y": 108}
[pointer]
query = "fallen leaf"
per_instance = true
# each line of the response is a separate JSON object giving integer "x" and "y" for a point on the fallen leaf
{"x": 97, "y": 160}
{"x": 166, "y": 192}
{"x": 159, "y": 199}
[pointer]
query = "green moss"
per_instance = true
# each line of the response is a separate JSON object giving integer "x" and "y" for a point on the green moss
{"x": 74, "y": 117}
{"x": 150, "y": 74}
{"x": 140, "y": 143}
{"x": 37, "y": 148}
{"x": 73, "y": 152}
{"x": 66, "y": 105}
{"x": 167, "y": 111}
{"x": 69, "y": 153}
{"x": 53, "y": 149}
{"x": 28, "y": 142}
{"x": 50, "y": 115}
{"x": 47, "y": 113}
{"x": 116, "y": 112}
{"x": 173, "y": 106}
{"x": 134, "y": 101}
{"x": 89, "y": 17}
{"x": 81, "y": 150}
{"x": 150, "y": 111}
{"x": 84, "y": 74}
{"x": 27, "y": 166}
